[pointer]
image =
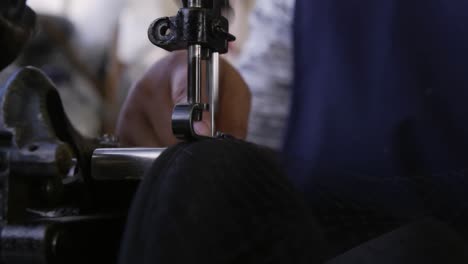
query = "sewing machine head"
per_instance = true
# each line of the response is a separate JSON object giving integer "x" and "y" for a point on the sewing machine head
{"x": 64, "y": 197}
{"x": 200, "y": 28}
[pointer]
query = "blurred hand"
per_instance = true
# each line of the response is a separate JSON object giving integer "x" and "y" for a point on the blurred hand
{"x": 145, "y": 119}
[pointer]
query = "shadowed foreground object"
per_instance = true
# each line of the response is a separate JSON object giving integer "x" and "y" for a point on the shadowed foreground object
{"x": 427, "y": 241}
{"x": 219, "y": 201}
{"x": 16, "y": 27}
{"x": 227, "y": 201}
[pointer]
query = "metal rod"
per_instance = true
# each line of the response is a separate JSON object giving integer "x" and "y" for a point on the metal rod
{"x": 194, "y": 3}
{"x": 123, "y": 163}
{"x": 194, "y": 74}
{"x": 213, "y": 88}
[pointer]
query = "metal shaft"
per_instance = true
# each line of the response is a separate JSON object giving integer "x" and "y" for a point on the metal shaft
{"x": 213, "y": 87}
{"x": 122, "y": 164}
{"x": 194, "y": 74}
{"x": 194, "y": 3}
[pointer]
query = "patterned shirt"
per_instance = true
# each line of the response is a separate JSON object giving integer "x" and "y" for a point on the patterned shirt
{"x": 266, "y": 65}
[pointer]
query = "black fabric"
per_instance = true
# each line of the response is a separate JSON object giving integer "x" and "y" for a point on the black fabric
{"x": 226, "y": 201}
{"x": 427, "y": 241}
{"x": 219, "y": 201}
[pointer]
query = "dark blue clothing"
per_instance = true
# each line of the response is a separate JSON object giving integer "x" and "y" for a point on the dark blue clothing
{"x": 380, "y": 105}
{"x": 378, "y": 136}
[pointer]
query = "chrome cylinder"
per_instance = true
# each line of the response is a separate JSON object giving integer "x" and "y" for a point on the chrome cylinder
{"x": 194, "y": 74}
{"x": 194, "y": 3}
{"x": 213, "y": 87}
{"x": 123, "y": 163}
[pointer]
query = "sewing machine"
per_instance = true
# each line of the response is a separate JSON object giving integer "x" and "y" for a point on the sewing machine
{"x": 64, "y": 197}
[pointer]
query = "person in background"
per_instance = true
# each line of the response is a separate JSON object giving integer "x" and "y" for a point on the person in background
{"x": 104, "y": 53}
{"x": 77, "y": 35}
{"x": 377, "y": 132}
{"x": 269, "y": 44}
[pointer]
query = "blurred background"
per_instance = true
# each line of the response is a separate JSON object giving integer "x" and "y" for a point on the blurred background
{"x": 94, "y": 51}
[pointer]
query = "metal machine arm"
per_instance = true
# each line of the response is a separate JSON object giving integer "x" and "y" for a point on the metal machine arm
{"x": 199, "y": 28}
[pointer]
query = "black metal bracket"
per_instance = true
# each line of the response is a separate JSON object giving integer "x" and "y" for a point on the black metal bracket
{"x": 202, "y": 26}
{"x": 183, "y": 117}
